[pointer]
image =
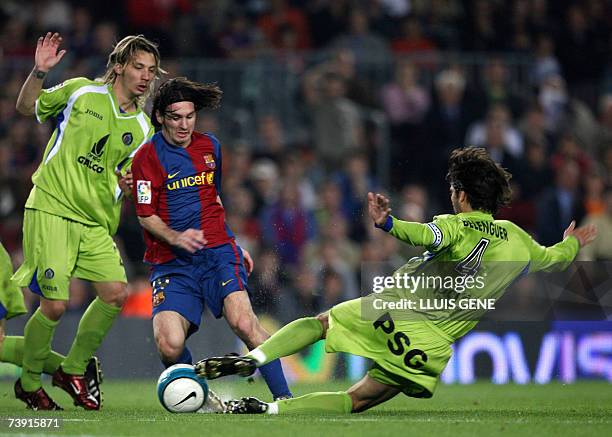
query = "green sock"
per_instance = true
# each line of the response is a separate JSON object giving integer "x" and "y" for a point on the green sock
{"x": 37, "y": 335}
{"x": 288, "y": 340}
{"x": 94, "y": 325}
{"x": 322, "y": 402}
{"x": 11, "y": 351}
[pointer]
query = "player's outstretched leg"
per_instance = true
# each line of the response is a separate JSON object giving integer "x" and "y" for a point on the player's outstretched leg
{"x": 286, "y": 341}
{"x": 11, "y": 351}
{"x": 365, "y": 394}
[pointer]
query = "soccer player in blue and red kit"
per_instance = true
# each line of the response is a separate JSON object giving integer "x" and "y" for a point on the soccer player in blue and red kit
{"x": 195, "y": 260}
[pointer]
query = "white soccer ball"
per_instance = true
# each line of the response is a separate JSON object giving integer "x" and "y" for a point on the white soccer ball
{"x": 180, "y": 390}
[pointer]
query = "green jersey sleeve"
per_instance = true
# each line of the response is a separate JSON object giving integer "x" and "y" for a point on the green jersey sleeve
{"x": 553, "y": 258}
{"x": 435, "y": 236}
{"x": 52, "y": 101}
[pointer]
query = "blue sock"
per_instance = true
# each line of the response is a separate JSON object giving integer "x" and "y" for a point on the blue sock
{"x": 275, "y": 379}
{"x": 185, "y": 358}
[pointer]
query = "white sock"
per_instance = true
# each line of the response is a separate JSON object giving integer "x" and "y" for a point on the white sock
{"x": 272, "y": 408}
{"x": 258, "y": 356}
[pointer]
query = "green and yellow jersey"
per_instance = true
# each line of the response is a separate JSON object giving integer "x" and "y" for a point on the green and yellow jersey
{"x": 469, "y": 256}
{"x": 93, "y": 138}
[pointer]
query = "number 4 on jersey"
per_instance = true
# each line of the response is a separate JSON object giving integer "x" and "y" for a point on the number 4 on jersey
{"x": 471, "y": 263}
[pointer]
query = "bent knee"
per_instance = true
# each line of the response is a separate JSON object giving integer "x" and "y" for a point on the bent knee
{"x": 115, "y": 297}
{"x": 170, "y": 349}
{"x": 53, "y": 309}
{"x": 244, "y": 326}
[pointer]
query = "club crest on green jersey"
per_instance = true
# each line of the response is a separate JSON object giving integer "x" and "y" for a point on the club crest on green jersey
{"x": 127, "y": 138}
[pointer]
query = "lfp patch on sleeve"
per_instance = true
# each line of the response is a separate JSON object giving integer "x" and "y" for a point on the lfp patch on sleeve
{"x": 143, "y": 189}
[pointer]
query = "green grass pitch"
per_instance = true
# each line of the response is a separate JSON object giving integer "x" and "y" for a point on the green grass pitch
{"x": 131, "y": 408}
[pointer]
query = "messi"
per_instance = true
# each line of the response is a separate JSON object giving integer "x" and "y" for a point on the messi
{"x": 90, "y": 164}
{"x": 204, "y": 178}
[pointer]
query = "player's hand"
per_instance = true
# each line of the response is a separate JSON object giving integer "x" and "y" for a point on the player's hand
{"x": 126, "y": 182}
{"x": 584, "y": 234}
{"x": 191, "y": 240}
{"x": 248, "y": 261}
{"x": 378, "y": 208}
{"x": 47, "y": 55}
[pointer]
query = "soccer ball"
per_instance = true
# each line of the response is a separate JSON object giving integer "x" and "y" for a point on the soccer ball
{"x": 180, "y": 390}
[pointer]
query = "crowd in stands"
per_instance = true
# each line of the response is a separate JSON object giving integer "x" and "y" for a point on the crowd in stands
{"x": 295, "y": 193}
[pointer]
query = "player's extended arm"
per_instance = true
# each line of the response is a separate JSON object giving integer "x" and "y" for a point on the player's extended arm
{"x": 46, "y": 57}
{"x": 190, "y": 240}
{"x": 416, "y": 234}
{"x": 559, "y": 256}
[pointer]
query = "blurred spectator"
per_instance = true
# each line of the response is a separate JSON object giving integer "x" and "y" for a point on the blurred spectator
{"x": 240, "y": 39}
{"x": 355, "y": 182}
{"x": 54, "y": 14}
{"x": 332, "y": 290}
{"x": 270, "y": 142}
{"x": 81, "y": 39}
{"x": 335, "y": 231}
{"x": 281, "y": 14}
{"x": 594, "y": 193}
{"x": 411, "y": 40}
{"x": 337, "y": 124}
{"x": 533, "y": 174}
{"x": 564, "y": 113}
{"x": 582, "y": 53}
{"x": 293, "y": 171}
{"x": 302, "y": 299}
{"x": 533, "y": 127}
{"x": 480, "y": 32}
{"x": 358, "y": 89}
{"x": 545, "y": 63}
{"x": 569, "y": 149}
{"x": 286, "y": 226}
{"x": 601, "y": 248}
{"x": 404, "y": 100}
{"x": 265, "y": 179}
{"x": 366, "y": 45}
{"x": 603, "y": 138}
{"x": 327, "y": 19}
{"x": 499, "y": 116}
{"x": 447, "y": 123}
{"x": 496, "y": 89}
{"x": 560, "y": 204}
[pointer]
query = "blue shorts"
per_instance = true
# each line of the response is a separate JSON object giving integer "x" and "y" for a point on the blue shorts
{"x": 211, "y": 275}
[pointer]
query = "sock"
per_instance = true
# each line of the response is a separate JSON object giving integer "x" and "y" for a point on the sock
{"x": 322, "y": 402}
{"x": 37, "y": 334}
{"x": 275, "y": 379}
{"x": 94, "y": 325}
{"x": 11, "y": 351}
{"x": 288, "y": 340}
{"x": 184, "y": 358}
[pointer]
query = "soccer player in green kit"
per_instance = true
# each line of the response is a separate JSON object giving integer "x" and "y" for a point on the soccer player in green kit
{"x": 73, "y": 209}
{"x": 11, "y": 347}
{"x": 411, "y": 348}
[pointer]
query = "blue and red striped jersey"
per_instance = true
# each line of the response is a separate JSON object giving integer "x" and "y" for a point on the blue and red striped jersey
{"x": 180, "y": 186}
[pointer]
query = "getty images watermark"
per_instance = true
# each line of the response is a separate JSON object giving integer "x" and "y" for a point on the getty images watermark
{"x": 405, "y": 291}
{"x": 498, "y": 291}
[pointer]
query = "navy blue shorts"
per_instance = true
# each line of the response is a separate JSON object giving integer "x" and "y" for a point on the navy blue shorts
{"x": 211, "y": 276}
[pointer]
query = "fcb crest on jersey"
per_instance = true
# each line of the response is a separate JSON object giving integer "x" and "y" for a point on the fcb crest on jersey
{"x": 210, "y": 161}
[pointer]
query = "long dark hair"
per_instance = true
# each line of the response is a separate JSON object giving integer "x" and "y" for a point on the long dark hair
{"x": 181, "y": 89}
{"x": 485, "y": 182}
